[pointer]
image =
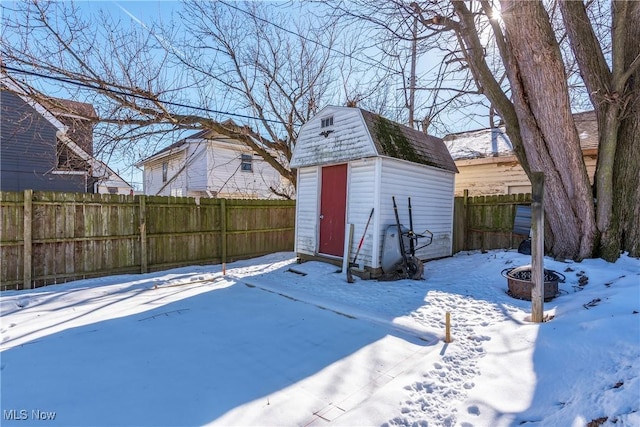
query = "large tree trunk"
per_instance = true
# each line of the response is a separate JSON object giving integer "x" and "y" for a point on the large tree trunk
{"x": 540, "y": 96}
{"x": 626, "y": 177}
{"x": 626, "y": 182}
{"x": 615, "y": 102}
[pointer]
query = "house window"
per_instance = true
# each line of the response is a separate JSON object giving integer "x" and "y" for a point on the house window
{"x": 326, "y": 122}
{"x": 165, "y": 170}
{"x": 246, "y": 163}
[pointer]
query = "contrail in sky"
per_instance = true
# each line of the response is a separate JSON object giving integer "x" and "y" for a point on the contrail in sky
{"x": 166, "y": 44}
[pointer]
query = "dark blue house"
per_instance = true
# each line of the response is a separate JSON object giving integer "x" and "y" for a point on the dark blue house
{"x": 48, "y": 145}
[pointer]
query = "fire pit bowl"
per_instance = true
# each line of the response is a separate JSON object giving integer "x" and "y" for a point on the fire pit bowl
{"x": 520, "y": 285}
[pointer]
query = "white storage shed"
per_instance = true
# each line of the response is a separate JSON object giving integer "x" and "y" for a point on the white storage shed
{"x": 350, "y": 161}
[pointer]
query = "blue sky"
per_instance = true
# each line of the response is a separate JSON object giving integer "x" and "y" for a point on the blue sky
{"x": 144, "y": 14}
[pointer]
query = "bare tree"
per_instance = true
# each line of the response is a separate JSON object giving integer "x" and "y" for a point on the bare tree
{"x": 614, "y": 93}
{"x": 441, "y": 84}
{"x": 212, "y": 61}
{"x": 528, "y": 83}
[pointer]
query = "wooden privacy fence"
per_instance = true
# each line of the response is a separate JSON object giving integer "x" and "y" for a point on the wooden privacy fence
{"x": 486, "y": 222}
{"x": 51, "y": 237}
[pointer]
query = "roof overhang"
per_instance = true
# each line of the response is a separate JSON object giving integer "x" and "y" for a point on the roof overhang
{"x": 161, "y": 155}
{"x": 508, "y": 159}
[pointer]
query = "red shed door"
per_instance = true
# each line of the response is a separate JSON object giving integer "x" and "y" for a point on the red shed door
{"x": 333, "y": 202}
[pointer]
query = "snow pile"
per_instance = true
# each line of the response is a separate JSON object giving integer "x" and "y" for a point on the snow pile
{"x": 479, "y": 143}
{"x": 278, "y": 343}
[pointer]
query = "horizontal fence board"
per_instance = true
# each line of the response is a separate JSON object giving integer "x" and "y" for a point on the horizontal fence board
{"x": 76, "y": 235}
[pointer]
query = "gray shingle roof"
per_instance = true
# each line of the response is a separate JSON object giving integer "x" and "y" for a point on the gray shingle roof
{"x": 402, "y": 142}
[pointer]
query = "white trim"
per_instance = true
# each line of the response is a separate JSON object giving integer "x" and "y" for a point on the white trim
{"x": 159, "y": 156}
{"x": 418, "y": 164}
{"x": 62, "y": 172}
{"x": 366, "y": 128}
{"x": 377, "y": 237}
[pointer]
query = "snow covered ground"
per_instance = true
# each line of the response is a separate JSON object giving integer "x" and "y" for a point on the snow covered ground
{"x": 265, "y": 345}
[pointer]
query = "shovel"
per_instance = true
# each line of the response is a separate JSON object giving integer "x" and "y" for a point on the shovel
{"x": 349, "y": 275}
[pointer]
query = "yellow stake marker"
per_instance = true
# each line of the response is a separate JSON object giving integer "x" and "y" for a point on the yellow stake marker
{"x": 447, "y": 337}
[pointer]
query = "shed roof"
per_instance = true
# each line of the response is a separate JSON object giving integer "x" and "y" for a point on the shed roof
{"x": 402, "y": 142}
{"x": 341, "y": 134}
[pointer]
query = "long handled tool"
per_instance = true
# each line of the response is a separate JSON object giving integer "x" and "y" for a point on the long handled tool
{"x": 349, "y": 275}
{"x": 403, "y": 251}
{"x": 412, "y": 267}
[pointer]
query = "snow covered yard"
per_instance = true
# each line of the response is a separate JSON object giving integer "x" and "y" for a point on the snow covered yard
{"x": 264, "y": 345}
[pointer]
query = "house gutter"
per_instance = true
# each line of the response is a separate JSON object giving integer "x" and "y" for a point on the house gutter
{"x": 509, "y": 159}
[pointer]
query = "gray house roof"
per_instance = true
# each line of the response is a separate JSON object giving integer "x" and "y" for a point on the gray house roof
{"x": 184, "y": 142}
{"x": 477, "y": 144}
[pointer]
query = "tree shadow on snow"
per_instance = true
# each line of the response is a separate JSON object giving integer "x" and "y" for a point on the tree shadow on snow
{"x": 183, "y": 363}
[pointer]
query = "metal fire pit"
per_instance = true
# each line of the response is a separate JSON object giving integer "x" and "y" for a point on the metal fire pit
{"x": 520, "y": 285}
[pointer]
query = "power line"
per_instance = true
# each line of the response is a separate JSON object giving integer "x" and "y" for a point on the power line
{"x": 375, "y": 63}
{"x": 134, "y": 95}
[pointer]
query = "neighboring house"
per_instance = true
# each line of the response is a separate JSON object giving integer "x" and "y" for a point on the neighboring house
{"x": 207, "y": 164}
{"x": 350, "y": 161}
{"x": 49, "y": 148}
{"x": 488, "y": 165}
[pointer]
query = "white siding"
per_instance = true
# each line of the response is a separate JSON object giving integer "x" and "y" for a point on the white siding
{"x": 226, "y": 178}
{"x": 213, "y": 167}
{"x": 196, "y": 178}
{"x": 153, "y": 183}
{"x": 349, "y": 139}
{"x": 361, "y": 197}
{"x": 371, "y": 182}
{"x": 431, "y": 192}
{"x": 307, "y": 211}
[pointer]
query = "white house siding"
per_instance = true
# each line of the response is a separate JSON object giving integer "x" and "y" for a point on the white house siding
{"x": 153, "y": 184}
{"x": 349, "y": 139}
{"x": 225, "y": 177}
{"x": 223, "y": 173}
{"x": 493, "y": 175}
{"x": 361, "y": 197}
{"x": 210, "y": 168}
{"x": 195, "y": 176}
{"x": 266, "y": 176}
{"x": 307, "y": 211}
{"x": 431, "y": 192}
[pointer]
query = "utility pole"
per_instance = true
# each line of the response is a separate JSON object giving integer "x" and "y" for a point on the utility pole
{"x": 412, "y": 78}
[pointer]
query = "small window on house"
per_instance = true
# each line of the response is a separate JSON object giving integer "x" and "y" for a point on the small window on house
{"x": 165, "y": 170}
{"x": 246, "y": 164}
{"x": 113, "y": 190}
{"x": 326, "y": 122}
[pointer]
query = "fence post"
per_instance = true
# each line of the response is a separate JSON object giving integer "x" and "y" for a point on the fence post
{"x": 465, "y": 223}
{"x": 143, "y": 235}
{"x": 537, "y": 247}
{"x": 223, "y": 229}
{"x": 27, "y": 240}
